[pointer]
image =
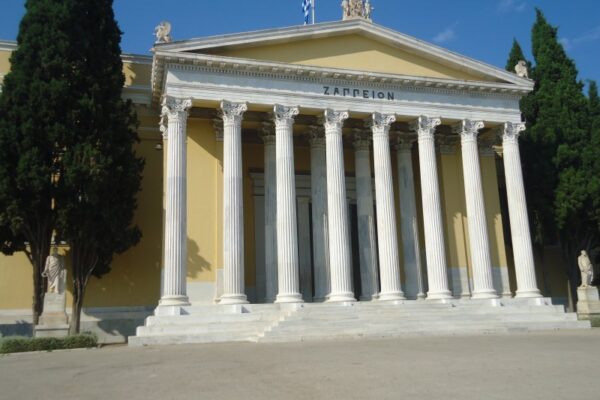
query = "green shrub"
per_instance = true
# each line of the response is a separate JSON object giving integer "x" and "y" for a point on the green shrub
{"x": 22, "y": 344}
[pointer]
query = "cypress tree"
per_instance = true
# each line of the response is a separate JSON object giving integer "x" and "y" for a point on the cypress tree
{"x": 557, "y": 151}
{"x": 35, "y": 96}
{"x": 515, "y": 55}
{"x": 101, "y": 173}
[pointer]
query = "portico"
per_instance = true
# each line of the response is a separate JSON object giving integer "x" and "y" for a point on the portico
{"x": 331, "y": 111}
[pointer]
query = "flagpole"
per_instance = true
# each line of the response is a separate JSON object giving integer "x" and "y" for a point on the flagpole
{"x": 313, "y": 10}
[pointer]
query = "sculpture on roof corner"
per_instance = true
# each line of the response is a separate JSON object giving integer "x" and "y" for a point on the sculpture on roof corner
{"x": 521, "y": 69}
{"x": 357, "y": 9}
{"x": 163, "y": 32}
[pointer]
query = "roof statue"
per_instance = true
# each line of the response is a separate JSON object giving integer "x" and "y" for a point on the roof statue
{"x": 521, "y": 69}
{"x": 357, "y": 9}
{"x": 163, "y": 32}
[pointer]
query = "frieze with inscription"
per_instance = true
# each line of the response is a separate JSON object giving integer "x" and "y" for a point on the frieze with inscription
{"x": 358, "y": 93}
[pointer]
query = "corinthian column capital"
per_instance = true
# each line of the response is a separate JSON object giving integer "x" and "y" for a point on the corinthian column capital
{"x": 284, "y": 114}
{"x": 510, "y": 131}
{"x": 267, "y": 133}
{"x": 361, "y": 140}
{"x": 232, "y": 112}
{"x": 405, "y": 142}
{"x": 334, "y": 120}
{"x": 468, "y": 129}
{"x": 380, "y": 123}
{"x": 316, "y": 136}
{"x": 173, "y": 107}
{"x": 425, "y": 126}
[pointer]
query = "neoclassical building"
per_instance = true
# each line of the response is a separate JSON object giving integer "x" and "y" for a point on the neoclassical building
{"x": 333, "y": 163}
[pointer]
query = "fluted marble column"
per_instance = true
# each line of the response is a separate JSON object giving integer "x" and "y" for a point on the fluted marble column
{"x": 175, "y": 270}
{"x": 318, "y": 184}
{"x": 437, "y": 272}
{"x": 339, "y": 231}
{"x": 409, "y": 223}
{"x": 287, "y": 225}
{"x": 270, "y": 179}
{"x": 369, "y": 274}
{"x": 233, "y": 204}
{"x": 483, "y": 282}
{"x": 517, "y": 210}
{"x": 387, "y": 237}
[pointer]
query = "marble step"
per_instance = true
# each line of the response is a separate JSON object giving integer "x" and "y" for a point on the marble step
{"x": 248, "y": 327}
{"x": 324, "y": 326}
{"x": 221, "y": 337}
{"x": 424, "y": 329}
{"x": 211, "y": 318}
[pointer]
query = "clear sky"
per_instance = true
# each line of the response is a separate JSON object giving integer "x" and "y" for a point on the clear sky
{"x": 481, "y": 29}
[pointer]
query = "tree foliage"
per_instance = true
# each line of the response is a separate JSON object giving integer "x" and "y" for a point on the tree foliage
{"x": 67, "y": 163}
{"x": 100, "y": 172}
{"x": 560, "y": 162}
{"x": 34, "y": 98}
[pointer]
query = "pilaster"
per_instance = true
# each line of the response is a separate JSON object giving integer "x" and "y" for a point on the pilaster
{"x": 318, "y": 177}
{"x": 369, "y": 274}
{"x": 409, "y": 223}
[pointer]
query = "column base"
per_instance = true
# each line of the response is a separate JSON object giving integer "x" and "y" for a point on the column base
{"x": 228, "y": 299}
{"x": 528, "y": 294}
{"x": 180, "y": 300}
{"x": 289, "y": 298}
{"x": 340, "y": 297}
{"x": 445, "y": 295}
{"x": 391, "y": 296}
{"x": 486, "y": 294}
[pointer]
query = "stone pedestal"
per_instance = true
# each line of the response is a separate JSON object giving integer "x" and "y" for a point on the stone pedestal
{"x": 53, "y": 321}
{"x": 588, "y": 304}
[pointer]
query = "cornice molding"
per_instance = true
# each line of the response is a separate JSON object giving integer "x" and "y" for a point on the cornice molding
{"x": 374, "y": 31}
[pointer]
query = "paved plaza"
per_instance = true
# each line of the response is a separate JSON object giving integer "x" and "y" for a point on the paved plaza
{"x": 549, "y": 365}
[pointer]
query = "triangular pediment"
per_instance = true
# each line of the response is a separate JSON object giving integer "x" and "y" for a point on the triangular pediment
{"x": 352, "y": 45}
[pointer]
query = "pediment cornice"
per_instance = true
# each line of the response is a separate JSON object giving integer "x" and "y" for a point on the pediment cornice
{"x": 377, "y": 32}
{"x": 164, "y": 59}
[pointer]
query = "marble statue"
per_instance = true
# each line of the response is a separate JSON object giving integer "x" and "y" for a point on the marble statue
{"x": 53, "y": 271}
{"x": 163, "y": 32}
{"x": 356, "y": 9}
{"x": 521, "y": 69}
{"x": 368, "y": 10}
{"x": 586, "y": 268}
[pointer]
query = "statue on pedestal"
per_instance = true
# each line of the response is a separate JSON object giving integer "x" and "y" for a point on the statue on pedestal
{"x": 53, "y": 271}
{"x": 586, "y": 268}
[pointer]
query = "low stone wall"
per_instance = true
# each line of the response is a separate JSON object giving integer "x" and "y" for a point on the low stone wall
{"x": 112, "y": 325}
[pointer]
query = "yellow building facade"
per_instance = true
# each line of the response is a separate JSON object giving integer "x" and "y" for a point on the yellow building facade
{"x": 323, "y": 163}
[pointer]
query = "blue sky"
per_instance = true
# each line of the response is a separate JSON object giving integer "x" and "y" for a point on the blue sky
{"x": 481, "y": 29}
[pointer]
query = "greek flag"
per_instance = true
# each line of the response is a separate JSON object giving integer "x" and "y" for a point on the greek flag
{"x": 306, "y": 7}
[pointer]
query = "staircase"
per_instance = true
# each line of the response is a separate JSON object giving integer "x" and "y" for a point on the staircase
{"x": 331, "y": 321}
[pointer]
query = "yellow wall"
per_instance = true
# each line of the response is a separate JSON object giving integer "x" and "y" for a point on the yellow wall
{"x": 452, "y": 190}
{"x": 4, "y": 64}
{"x": 350, "y": 51}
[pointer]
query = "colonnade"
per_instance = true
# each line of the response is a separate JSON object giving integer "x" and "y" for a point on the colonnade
{"x": 331, "y": 230}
